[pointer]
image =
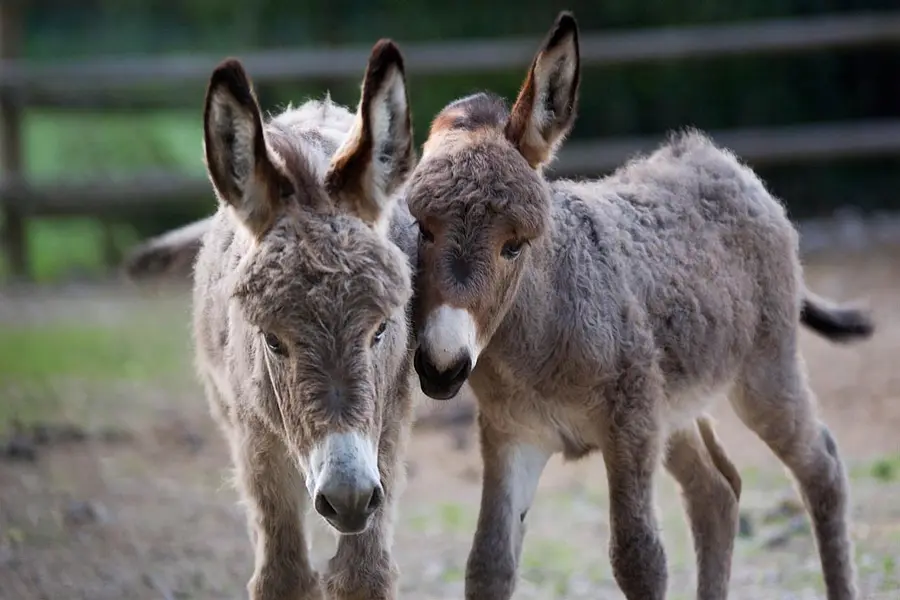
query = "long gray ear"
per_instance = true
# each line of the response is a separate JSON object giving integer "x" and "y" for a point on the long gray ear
{"x": 378, "y": 155}
{"x": 545, "y": 109}
{"x": 237, "y": 158}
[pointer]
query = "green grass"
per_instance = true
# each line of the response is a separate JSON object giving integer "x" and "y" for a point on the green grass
{"x": 140, "y": 352}
{"x": 76, "y": 371}
{"x": 456, "y": 517}
{"x": 887, "y": 469}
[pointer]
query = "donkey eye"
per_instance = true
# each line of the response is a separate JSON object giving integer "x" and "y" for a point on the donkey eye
{"x": 426, "y": 235}
{"x": 379, "y": 333}
{"x": 274, "y": 344}
{"x": 286, "y": 188}
{"x": 511, "y": 249}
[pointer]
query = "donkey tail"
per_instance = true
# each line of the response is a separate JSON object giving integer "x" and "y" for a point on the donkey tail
{"x": 836, "y": 323}
{"x": 171, "y": 254}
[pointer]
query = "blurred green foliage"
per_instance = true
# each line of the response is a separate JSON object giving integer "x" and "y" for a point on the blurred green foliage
{"x": 718, "y": 93}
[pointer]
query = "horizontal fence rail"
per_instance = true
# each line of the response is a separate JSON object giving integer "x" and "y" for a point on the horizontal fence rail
{"x": 97, "y": 83}
{"x": 758, "y": 146}
{"x": 27, "y": 80}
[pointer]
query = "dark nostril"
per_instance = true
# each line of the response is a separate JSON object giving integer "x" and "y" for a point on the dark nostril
{"x": 324, "y": 507}
{"x": 460, "y": 370}
{"x": 375, "y": 500}
{"x": 424, "y": 367}
{"x": 453, "y": 376}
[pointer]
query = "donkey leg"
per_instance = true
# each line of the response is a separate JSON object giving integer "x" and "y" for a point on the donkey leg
{"x": 632, "y": 449}
{"x": 774, "y": 400}
{"x": 711, "y": 488}
{"x": 274, "y": 494}
{"x": 512, "y": 469}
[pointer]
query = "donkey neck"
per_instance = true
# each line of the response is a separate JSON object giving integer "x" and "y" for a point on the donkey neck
{"x": 569, "y": 299}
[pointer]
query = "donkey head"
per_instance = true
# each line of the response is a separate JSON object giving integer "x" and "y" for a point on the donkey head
{"x": 318, "y": 302}
{"x": 482, "y": 203}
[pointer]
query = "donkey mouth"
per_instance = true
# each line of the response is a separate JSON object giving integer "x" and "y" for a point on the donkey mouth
{"x": 345, "y": 527}
{"x": 441, "y": 385}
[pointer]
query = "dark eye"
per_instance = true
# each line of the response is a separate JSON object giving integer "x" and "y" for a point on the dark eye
{"x": 286, "y": 188}
{"x": 274, "y": 344}
{"x": 512, "y": 248}
{"x": 426, "y": 235}
{"x": 379, "y": 333}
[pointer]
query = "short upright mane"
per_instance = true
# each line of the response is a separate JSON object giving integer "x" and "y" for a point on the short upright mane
{"x": 477, "y": 111}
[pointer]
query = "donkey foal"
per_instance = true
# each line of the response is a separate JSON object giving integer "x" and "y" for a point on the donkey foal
{"x": 301, "y": 324}
{"x": 606, "y": 315}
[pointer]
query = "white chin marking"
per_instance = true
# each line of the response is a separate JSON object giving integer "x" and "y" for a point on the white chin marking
{"x": 349, "y": 456}
{"x": 449, "y": 334}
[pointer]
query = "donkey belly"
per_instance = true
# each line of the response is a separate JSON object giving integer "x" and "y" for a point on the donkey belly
{"x": 683, "y": 406}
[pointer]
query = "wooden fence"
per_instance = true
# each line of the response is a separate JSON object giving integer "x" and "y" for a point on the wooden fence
{"x": 93, "y": 84}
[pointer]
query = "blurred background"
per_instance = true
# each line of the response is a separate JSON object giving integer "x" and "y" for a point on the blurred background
{"x": 113, "y": 481}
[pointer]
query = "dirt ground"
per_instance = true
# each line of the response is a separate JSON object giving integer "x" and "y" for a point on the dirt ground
{"x": 121, "y": 488}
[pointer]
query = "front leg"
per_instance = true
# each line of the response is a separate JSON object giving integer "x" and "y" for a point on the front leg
{"x": 272, "y": 489}
{"x": 512, "y": 469}
{"x": 631, "y": 453}
{"x": 363, "y": 568}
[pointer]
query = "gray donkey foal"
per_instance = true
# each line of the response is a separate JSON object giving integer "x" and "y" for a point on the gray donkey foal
{"x": 607, "y": 315}
{"x": 301, "y": 323}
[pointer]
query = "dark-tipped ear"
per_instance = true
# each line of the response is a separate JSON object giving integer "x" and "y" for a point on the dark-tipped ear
{"x": 545, "y": 109}
{"x": 378, "y": 155}
{"x": 237, "y": 159}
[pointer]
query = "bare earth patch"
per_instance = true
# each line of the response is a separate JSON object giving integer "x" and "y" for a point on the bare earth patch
{"x": 116, "y": 486}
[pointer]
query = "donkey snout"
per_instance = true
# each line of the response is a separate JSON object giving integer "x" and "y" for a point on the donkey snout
{"x": 441, "y": 384}
{"x": 345, "y": 482}
{"x": 348, "y": 505}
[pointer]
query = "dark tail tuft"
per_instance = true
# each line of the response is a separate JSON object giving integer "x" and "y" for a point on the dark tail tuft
{"x": 171, "y": 254}
{"x": 837, "y": 323}
{"x": 148, "y": 261}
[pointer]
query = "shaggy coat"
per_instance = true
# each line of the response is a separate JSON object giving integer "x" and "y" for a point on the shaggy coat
{"x": 606, "y": 315}
{"x": 303, "y": 345}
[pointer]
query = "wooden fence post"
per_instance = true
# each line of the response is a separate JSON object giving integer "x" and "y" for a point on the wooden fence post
{"x": 14, "y": 239}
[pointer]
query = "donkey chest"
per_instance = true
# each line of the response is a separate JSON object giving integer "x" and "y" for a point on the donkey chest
{"x": 559, "y": 423}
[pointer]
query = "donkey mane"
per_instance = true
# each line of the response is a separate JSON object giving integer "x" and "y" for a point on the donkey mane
{"x": 473, "y": 112}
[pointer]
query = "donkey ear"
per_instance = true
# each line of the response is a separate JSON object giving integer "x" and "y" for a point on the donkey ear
{"x": 545, "y": 110}
{"x": 378, "y": 155}
{"x": 237, "y": 161}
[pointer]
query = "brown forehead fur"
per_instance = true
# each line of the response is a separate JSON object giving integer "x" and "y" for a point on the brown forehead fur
{"x": 470, "y": 169}
{"x": 320, "y": 262}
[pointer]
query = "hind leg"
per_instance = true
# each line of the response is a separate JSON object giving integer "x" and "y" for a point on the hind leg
{"x": 774, "y": 400}
{"x": 711, "y": 488}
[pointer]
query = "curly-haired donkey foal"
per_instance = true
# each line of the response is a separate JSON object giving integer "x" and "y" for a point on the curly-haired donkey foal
{"x": 607, "y": 315}
{"x": 301, "y": 290}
